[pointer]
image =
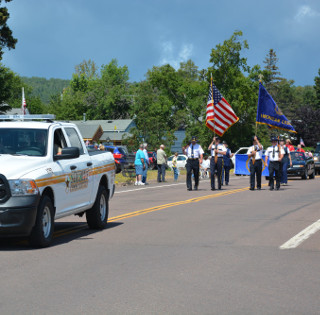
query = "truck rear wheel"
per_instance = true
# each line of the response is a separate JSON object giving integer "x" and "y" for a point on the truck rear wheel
{"x": 42, "y": 232}
{"x": 97, "y": 216}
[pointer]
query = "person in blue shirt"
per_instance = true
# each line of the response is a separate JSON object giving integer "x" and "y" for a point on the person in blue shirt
{"x": 139, "y": 165}
{"x": 226, "y": 164}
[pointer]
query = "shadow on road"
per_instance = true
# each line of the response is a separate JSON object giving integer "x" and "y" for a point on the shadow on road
{"x": 65, "y": 232}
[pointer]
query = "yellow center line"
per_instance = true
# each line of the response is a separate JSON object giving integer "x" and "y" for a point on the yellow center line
{"x": 153, "y": 209}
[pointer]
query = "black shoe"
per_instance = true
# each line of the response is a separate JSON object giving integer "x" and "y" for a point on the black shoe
{"x": 227, "y": 184}
{"x": 271, "y": 188}
{"x": 213, "y": 189}
{"x": 251, "y": 188}
{"x": 277, "y": 188}
{"x": 195, "y": 187}
{"x": 259, "y": 188}
{"x": 189, "y": 189}
{"x": 219, "y": 188}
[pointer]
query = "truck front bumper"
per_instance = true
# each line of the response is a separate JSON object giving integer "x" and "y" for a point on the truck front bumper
{"x": 18, "y": 215}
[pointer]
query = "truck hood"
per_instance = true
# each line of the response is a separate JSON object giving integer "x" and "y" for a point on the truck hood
{"x": 14, "y": 167}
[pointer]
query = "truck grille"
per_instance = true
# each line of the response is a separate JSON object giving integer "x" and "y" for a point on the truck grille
{"x": 4, "y": 189}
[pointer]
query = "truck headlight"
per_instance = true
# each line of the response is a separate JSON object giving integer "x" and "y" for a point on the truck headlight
{"x": 23, "y": 187}
{"x": 315, "y": 158}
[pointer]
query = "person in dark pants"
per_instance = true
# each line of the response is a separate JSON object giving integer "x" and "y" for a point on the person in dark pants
{"x": 274, "y": 153}
{"x": 226, "y": 164}
{"x": 216, "y": 162}
{"x": 161, "y": 163}
{"x": 255, "y": 155}
{"x": 194, "y": 153}
{"x": 286, "y": 160}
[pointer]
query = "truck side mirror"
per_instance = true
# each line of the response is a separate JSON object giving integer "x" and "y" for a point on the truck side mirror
{"x": 67, "y": 154}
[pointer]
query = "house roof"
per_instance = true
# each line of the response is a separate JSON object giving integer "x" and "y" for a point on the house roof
{"x": 13, "y": 111}
{"x": 87, "y": 131}
{"x": 123, "y": 125}
{"x": 113, "y": 129}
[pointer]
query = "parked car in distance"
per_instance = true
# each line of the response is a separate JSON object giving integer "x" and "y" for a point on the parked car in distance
{"x": 122, "y": 157}
{"x": 181, "y": 161}
{"x": 301, "y": 166}
{"x": 316, "y": 158}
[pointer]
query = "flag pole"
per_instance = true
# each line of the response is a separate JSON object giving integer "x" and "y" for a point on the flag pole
{"x": 214, "y": 124}
{"x": 256, "y": 129}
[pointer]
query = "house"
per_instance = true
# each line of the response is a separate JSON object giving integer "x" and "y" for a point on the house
{"x": 105, "y": 130}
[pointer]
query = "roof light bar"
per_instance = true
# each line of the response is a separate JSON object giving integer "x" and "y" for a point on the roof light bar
{"x": 27, "y": 117}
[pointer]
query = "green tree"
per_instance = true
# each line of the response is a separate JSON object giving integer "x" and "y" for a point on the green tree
{"x": 100, "y": 96}
{"x": 6, "y": 38}
{"x": 10, "y": 86}
{"x": 88, "y": 68}
{"x": 272, "y": 73}
{"x": 317, "y": 89}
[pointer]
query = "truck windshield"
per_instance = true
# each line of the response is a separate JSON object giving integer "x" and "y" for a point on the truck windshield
{"x": 22, "y": 141}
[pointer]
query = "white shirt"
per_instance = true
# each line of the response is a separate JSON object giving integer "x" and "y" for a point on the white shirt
{"x": 258, "y": 153}
{"x": 146, "y": 155}
{"x": 220, "y": 147}
{"x": 205, "y": 163}
{"x": 273, "y": 153}
{"x": 197, "y": 151}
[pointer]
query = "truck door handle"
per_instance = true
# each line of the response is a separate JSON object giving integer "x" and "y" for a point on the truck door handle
{"x": 89, "y": 164}
{"x": 73, "y": 167}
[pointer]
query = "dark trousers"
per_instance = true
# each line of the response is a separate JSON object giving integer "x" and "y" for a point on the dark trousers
{"x": 283, "y": 171}
{"x": 192, "y": 165}
{"x": 225, "y": 174}
{"x": 255, "y": 171}
{"x": 274, "y": 171}
{"x": 161, "y": 172}
{"x": 213, "y": 168}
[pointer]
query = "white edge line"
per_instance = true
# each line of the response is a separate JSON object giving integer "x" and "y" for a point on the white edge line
{"x": 143, "y": 188}
{"x": 302, "y": 236}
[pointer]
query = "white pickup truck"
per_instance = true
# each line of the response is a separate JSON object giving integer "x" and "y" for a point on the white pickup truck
{"x": 46, "y": 173}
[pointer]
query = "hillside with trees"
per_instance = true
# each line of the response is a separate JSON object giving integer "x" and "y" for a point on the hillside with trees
{"x": 44, "y": 88}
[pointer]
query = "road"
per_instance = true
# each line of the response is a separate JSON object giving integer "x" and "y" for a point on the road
{"x": 170, "y": 251}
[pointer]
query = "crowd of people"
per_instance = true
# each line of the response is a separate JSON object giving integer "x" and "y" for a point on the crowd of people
{"x": 217, "y": 165}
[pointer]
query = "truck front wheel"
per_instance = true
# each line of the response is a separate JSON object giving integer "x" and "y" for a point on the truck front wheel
{"x": 97, "y": 216}
{"x": 42, "y": 232}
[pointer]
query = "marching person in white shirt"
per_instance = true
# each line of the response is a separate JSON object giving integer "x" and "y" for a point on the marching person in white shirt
{"x": 194, "y": 153}
{"x": 255, "y": 155}
{"x": 274, "y": 153}
{"x": 217, "y": 152}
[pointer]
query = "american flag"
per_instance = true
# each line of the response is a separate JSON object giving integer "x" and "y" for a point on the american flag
{"x": 24, "y": 104}
{"x": 220, "y": 116}
{"x": 302, "y": 142}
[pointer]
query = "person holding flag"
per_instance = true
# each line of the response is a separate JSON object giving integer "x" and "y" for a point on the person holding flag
{"x": 216, "y": 162}
{"x": 219, "y": 118}
{"x": 268, "y": 113}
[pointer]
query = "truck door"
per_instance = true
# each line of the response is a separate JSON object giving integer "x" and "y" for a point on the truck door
{"x": 72, "y": 190}
{"x": 81, "y": 183}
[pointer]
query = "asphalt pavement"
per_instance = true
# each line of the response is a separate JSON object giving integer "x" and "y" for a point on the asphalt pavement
{"x": 170, "y": 251}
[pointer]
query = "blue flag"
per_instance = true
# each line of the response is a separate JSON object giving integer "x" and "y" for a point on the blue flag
{"x": 268, "y": 112}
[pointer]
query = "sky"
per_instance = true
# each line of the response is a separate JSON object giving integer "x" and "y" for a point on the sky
{"x": 56, "y": 35}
